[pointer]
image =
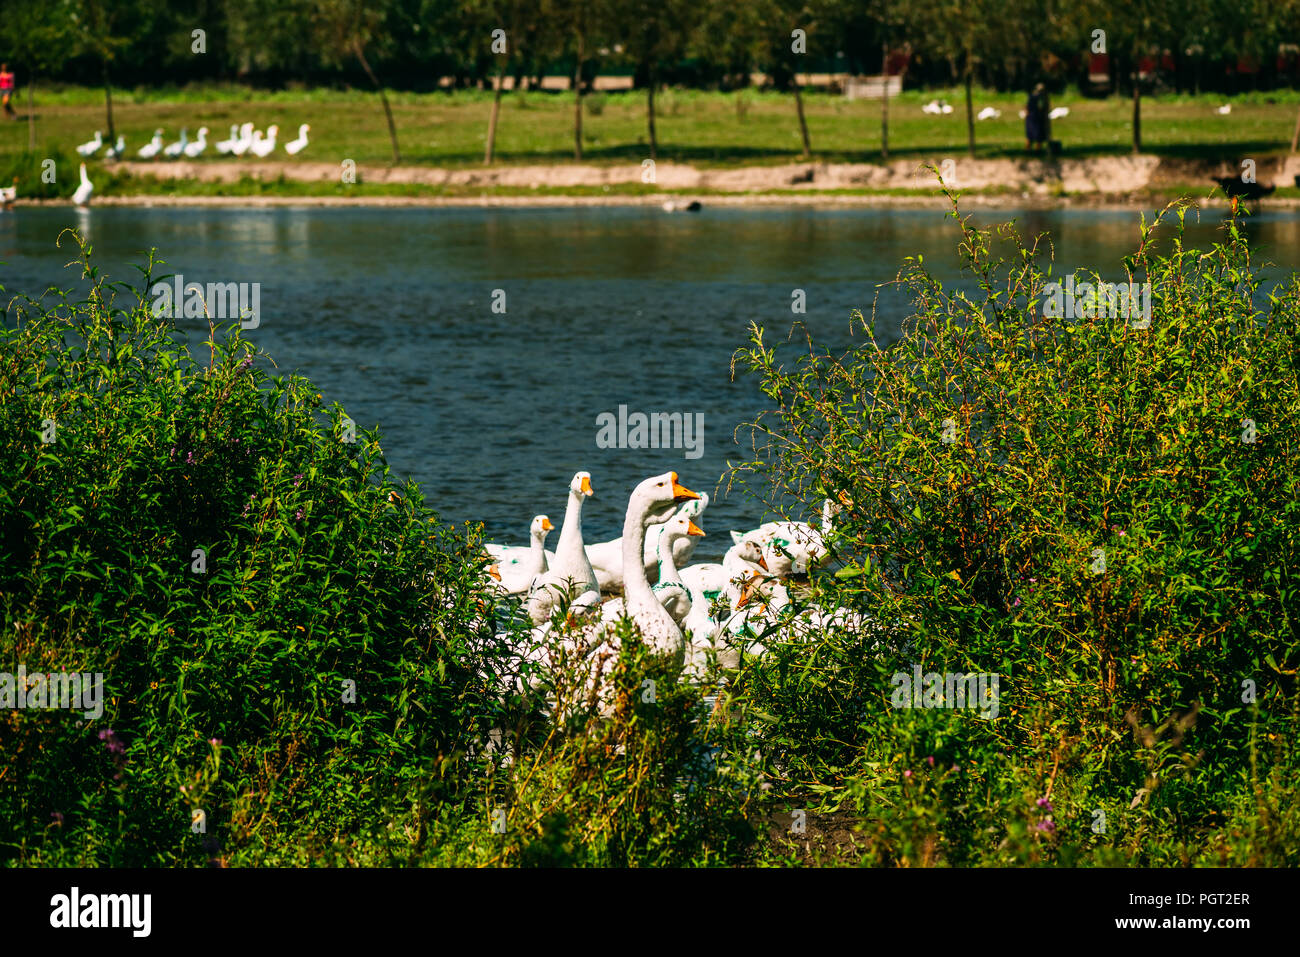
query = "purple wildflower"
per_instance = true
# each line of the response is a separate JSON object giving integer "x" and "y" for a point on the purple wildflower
{"x": 57, "y": 817}
{"x": 1044, "y": 804}
{"x": 297, "y": 516}
{"x": 930, "y": 760}
{"x": 189, "y": 458}
{"x": 907, "y": 774}
{"x": 248, "y": 361}
{"x": 1047, "y": 826}
{"x": 297, "y": 479}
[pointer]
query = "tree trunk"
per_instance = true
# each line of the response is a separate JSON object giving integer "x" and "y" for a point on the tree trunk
{"x": 1137, "y": 108}
{"x": 650, "y": 115}
{"x": 884, "y": 103}
{"x": 492, "y": 119}
{"x": 970, "y": 114}
{"x": 383, "y": 98}
{"x": 1295, "y": 137}
{"x": 108, "y": 103}
{"x": 803, "y": 123}
{"x": 577, "y": 103}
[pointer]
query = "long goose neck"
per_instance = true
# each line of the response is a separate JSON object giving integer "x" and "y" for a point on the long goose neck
{"x": 635, "y": 584}
{"x": 570, "y": 543}
{"x": 667, "y": 563}
{"x": 537, "y": 551}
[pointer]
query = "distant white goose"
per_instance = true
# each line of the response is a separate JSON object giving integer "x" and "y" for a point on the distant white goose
{"x": 225, "y": 146}
{"x": 91, "y": 148}
{"x": 152, "y": 148}
{"x": 266, "y": 146}
{"x": 1059, "y": 113}
{"x": 518, "y": 565}
{"x": 294, "y": 147}
{"x": 175, "y": 150}
{"x": 116, "y": 150}
{"x": 1224, "y": 110}
{"x": 196, "y": 148}
{"x": 988, "y": 113}
{"x": 82, "y": 196}
{"x": 570, "y": 571}
{"x": 8, "y": 194}
{"x": 245, "y": 140}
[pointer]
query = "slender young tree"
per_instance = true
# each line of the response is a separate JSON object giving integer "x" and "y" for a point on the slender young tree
{"x": 348, "y": 28}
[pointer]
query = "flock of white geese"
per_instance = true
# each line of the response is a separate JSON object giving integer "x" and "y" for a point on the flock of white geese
{"x": 575, "y": 596}
{"x": 243, "y": 140}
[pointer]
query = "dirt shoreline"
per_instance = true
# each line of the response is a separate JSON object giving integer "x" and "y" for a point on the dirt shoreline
{"x": 1120, "y": 182}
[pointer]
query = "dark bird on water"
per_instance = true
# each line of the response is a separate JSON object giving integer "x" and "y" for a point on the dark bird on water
{"x": 1233, "y": 186}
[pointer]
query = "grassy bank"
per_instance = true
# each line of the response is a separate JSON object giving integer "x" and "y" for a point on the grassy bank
{"x": 704, "y": 128}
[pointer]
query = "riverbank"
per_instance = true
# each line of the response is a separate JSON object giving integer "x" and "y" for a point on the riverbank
{"x": 1120, "y": 182}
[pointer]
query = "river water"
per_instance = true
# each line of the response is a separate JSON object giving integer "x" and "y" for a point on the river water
{"x": 390, "y": 311}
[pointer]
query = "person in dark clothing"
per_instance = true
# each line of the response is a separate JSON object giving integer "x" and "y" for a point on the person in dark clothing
{"x": 1038, "y": 125}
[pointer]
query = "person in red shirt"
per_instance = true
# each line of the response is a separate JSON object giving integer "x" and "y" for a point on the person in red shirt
{"x": 7, "y": 89}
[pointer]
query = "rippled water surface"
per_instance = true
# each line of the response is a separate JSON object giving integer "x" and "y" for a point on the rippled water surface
{"x": 389, "y": 312}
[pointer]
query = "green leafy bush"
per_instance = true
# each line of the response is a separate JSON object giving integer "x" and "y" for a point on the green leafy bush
{"x": 1106, "y": 516}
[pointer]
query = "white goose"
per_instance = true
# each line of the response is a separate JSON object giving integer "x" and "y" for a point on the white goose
{"x": 294, "y": 147}
{"x": 791, "y": 548}
{"x": 8, "y": 194}
{"x": 246, "y": 136}
{"x": 82, "y": 196}
{"x": 669, "y": 590}
{"x": 225, "y": 146}
{"x": 588, "y": 649}
{"x": 265, "y": 146}
{"x": 607, "y": 557}
{"x": 91, "y": 148}
{"x": 569, "y": 571}
{"x": 117, "y": 149}
{"x": 152, "y": 148}
{"x": 1060, "y": 113}
{"x": 518, "y": 565}
{"x": 988, "y": 113}
{"x": 175, "y": 150}
{"x": 195, "y": 149}
{"x": 741, "y": 566}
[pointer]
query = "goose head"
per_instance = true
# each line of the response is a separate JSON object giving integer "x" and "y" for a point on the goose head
{"x": 580, "y": 487}
{"x": 540, "y": 527}
{"x": 660, "y": 495}
{"x": 302, "y": 130}
{"x": 158, "y": 134}
{"x": 203, "y": 131}
{"x": 271, "y": 131}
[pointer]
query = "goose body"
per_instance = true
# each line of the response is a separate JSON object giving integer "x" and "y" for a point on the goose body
{"x": 265, "y": 146}
{"x": 195, "y": 149}
{"x": 518, "y": 566}
{"x": 152, "y": 148}
{"x": 791, "y": 548}
{"x": 988, "y": 113}
{"x": 8, "y": 194}
{"x": 82, "y": 196}
{"x": 245, "y": 141}
{"x": 1059, "y": 113}
{"x": 91, "y": 148}
{"x": 225, "y": 146}
{"x": 175, "y": 150}
{"x": 117, "y": 149}
{"x": 296, "y": 146}
{"x": 1224, "y": 110}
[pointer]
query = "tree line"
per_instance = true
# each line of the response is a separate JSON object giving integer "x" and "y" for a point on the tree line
{"x": 418, "y": 45}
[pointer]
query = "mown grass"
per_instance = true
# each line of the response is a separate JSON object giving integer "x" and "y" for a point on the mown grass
{"x": 704, "y": 128}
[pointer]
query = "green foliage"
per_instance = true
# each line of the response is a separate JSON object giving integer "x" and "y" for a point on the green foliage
{"x": 983, "y": 461}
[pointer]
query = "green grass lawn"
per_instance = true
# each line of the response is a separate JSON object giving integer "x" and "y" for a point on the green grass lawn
{"x": 704, "y": 128}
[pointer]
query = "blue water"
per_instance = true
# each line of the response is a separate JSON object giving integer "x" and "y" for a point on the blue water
{"x": 389, "y": 312}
